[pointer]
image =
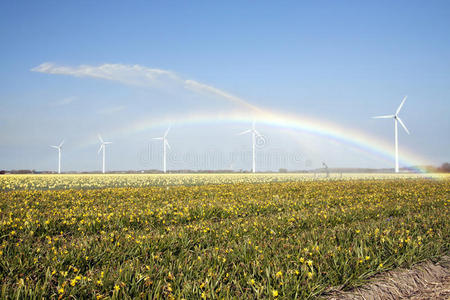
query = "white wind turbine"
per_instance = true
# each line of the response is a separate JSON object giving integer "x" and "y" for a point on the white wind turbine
{"x": 164, "y": 144}
{"x": 255, "y": 134}
{"x": 103, "y": 147}
{"x": 59, "y": 155}
{"x": 396, "y": 120}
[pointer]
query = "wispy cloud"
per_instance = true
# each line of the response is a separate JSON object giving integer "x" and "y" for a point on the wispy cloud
{"x": 111, "y": 110}
{"x": 141, "y": 76}
{"x": 64, "y": 101}
{"x": 126, "y": 74}
{"x": 204, "y": 88}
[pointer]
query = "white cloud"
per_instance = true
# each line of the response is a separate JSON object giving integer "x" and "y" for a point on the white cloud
{"x": 127, "y": 74}
{"x": 141, "y": 76}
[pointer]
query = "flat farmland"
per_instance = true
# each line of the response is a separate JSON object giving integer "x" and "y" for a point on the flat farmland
{"x": 213, "y": 236}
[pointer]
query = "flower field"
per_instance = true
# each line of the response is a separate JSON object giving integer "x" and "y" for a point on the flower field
{"x": 181, "y": 236}
{"x": 93, "y": 181}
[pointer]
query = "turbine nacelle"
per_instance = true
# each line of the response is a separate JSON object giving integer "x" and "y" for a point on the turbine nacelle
{"x": 59, "y": 146}
{"x": 102, "y": 144}
{"x": 395, "y": 116}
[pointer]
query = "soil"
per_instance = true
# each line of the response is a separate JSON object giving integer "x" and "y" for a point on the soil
{"x": 426, "y": 280}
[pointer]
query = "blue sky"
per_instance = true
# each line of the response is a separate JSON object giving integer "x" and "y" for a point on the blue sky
{"x": 337, "y": 61}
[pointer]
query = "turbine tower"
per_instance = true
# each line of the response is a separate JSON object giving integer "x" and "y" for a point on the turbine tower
{"x": 59, "y": 155}
{"x": 164, "y": 144}
{"x": 255, "y": 134}
{"x": 396, "y": 121}
{"x": 103, "y": 147}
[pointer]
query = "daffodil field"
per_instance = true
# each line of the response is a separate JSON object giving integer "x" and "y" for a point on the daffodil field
{"x": 223, "y": 236}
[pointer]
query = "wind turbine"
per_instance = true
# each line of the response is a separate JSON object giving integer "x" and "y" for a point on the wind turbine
{"x": 325, "y": 166}
{"x": 255, "y": 134}
{"x": 59, "y": 155}
{"x": 103, "y": 147}
{"x": 396, "y": 120}
{"x": 165, "y": 143}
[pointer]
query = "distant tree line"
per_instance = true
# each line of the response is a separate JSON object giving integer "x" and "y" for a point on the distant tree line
{"x": 444, "y": 168}
{"x": 17, "y": 172}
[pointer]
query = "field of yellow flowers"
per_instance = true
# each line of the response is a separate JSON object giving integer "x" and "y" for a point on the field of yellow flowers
{"x": 251, "y": 238}
{"x": 92, "y": 181}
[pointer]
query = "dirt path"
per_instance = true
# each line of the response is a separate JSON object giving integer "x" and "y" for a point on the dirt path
{"x": 423, "y": 281}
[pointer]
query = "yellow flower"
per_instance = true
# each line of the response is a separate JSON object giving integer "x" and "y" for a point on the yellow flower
{"x": 116, "y": 288}
{"x": 61, "y": 290}
{"x": 170, "y": 276}
{"x": 310, "y": 275}
{"x": 275, "y": 293}
{"x": 279, "y": 274}
{"x": 252, "y": 282}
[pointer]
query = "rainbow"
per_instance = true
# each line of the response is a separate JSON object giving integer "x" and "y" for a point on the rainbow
{"x": 349, "y": 136}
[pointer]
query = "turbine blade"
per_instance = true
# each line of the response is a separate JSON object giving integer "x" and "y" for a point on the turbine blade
{"x": 257, "y": 133}
{"x": 100, "y": 138}
{"x": 56, "y": 147}
{"x": 244, "y": 132}
{"x": 383, "y": 117}
{"x": 167, "y": 144}
{"x": 400, "y": 106}
{"x": 167, "y": 131}
{"x": 62, "y": 143}
{"x": 100, "y": 149}
{"x": 403, "y": 125}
